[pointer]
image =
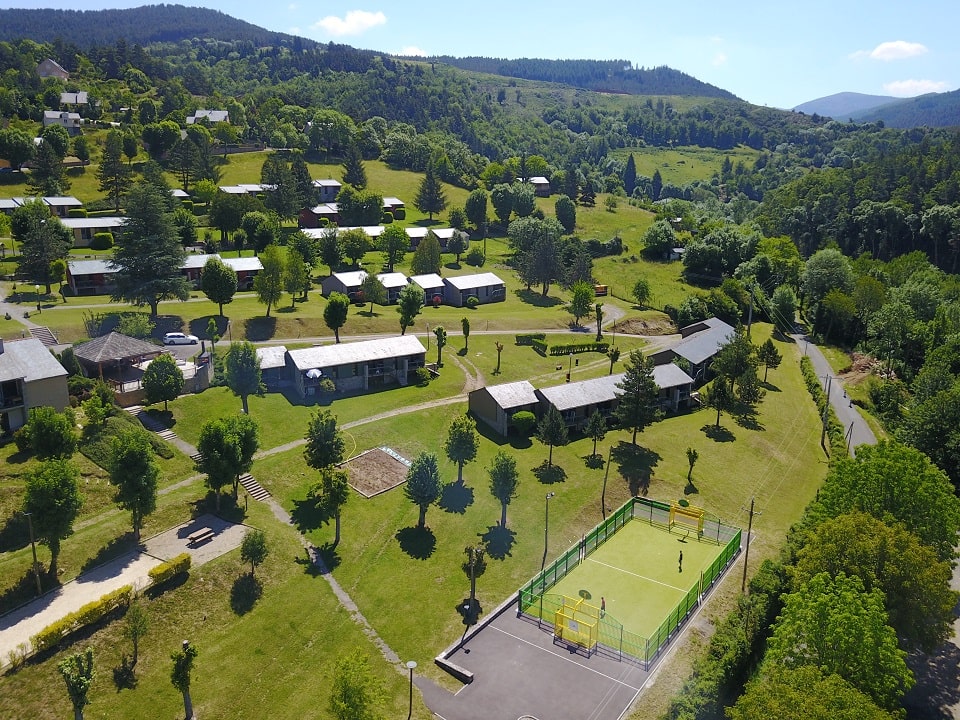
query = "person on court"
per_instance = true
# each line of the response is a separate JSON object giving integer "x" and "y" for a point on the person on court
{"x": 603, "y": 606}
{"x": 680, "y": 562}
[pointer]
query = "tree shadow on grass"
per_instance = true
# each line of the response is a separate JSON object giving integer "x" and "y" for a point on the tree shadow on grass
{"x": 308, "y": 514}
{"x": 635, "y": 464}
{"x": 22, "y": 591}
{"x": 469, "y": 611}
{"x": 770, "y": 387}
{"x": 498, "y": 541}
{"x": 19, "y": 457}
{"x": 164, "y": 417}
{"x": 536, "y": 299}
{"x": 124, "y": 676}
{"x": 113, "y": 549}
{"x": 244, "y": 594}
{"x": 260, "y": 328}
{"x": 594, "y": 462}
{"x": 690, "y": 488}
{"x": 456, "y": 498}
{"x": 748, "y": 420}
{"x": 718, "y": 433}
{"x": 418, "y": 543}
{"x": 549, "y": 474}
{"x": 15, "y": 533}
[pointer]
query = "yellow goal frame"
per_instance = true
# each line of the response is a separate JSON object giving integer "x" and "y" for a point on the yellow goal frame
{"x": 688, "y": 516}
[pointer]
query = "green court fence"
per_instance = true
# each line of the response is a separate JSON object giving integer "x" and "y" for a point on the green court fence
{"x": 534, "y": 600}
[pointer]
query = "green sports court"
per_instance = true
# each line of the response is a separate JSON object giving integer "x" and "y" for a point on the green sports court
{"x": 631, "y": 565}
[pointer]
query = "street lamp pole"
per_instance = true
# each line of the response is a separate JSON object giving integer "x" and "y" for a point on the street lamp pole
{"x": 411, "y": 666}
{"x": 37, "y": 288}
{"x": 33, "y": 548}
{"x": 546, "y": 527}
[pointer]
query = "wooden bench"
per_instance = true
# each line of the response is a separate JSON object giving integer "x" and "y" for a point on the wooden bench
{"x": 201, "y": 535}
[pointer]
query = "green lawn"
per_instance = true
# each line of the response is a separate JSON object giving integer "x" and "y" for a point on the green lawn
{"x": 683, "y": 165}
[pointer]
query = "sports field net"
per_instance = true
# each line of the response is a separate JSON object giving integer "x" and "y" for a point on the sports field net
{"x": 535, "y": 600}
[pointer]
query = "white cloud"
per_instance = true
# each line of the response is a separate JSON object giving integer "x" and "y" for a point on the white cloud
{"x": 910, "y": 88}
{"x": 719, "y": 59}
{"x": 411, "y": 51}
{"x": 354, "y": 22}
{"x": 293, "y": 7}
{"x": 893, "y": 50}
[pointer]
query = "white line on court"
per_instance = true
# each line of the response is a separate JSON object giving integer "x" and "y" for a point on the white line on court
{"x": 565, "y": 659}
{"x": 642, "y": 577}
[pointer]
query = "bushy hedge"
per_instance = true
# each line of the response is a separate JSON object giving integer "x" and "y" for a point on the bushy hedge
{"x": 524, "y": 422}
{"x": 835, "y": 431}
{"x": 170, "y": 569}
{"x": 102, "y": 241}
{"x": 475, "y": 257}
{"x": 90, "y": 613}
{"x": 98, "y": 448}
{"x": 529, "y": 338}
{"x": 76, "y": 213}
{"x": 577, "y": 348}
{"x": 540, "y": 346}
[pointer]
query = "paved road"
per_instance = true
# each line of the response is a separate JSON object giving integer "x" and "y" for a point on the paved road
{"x": 858, "y": 432}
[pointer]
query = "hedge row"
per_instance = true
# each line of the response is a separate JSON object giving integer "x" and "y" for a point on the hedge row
{"x": 164, "y": 571}
{"x": 529, "y": 338}
{"x": 90, "y": 613}
{"x": 600, "y": 347}
{"x": 540, "y": 346}
{"x": 835, "y": 431}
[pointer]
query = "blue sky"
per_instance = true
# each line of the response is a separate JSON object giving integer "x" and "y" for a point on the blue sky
{"x": 768, "y": 53}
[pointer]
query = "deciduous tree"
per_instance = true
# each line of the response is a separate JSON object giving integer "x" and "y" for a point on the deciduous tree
{"x": 581, "y": 300}
{"x": 833, "y": 624}
{"x": 181, "y": 673}
{"x": 462, "y": 443}
{"x": 268, "y": 283}
{"x": 325, "y": 444}
{"x": 135, "y": 475}
{"x": 243, "y": 371}
{"x": 373, "y": 290}
{"x": 226, "y": 448}
{"x": 163, "y": 380}
{"x": 77, "y": 673}
{"x": 43, "y": 240}
{"x": 393, "y": 243}
{"x": 254, "y": 549}
{"x": 476, "y": 208}
{"x": 641, "y": 292}
{"x": 409, "y": 303}
{"x": 53, "y": 500}
{"x": 218, "y": 282}
{"x": 769, "y": 357}
{"x": 333, "y": 491}
{"x": 426, "y": 258}
{"x": 335, "y": 313}
{"x": 441, "y": 334}
{"x": 49, "y": 434}
{"x": 354, "y": 244}
{"x": 356, "y": 693}
{"x": 596, "y": 429}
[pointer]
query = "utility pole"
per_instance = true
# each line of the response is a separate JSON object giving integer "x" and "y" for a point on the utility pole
{"x": 746, "y": 556}
{"x": 826, "y": 410}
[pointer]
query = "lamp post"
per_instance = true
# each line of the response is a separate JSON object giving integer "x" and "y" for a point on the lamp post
{"x": 546, "y": 526}
{"x": 411, "y": 666}
{"x": 33, "y": 548}
{"x": 37, "y": 288}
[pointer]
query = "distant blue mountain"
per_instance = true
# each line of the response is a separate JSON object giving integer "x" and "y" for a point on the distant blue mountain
{"x": 843, "y": 106}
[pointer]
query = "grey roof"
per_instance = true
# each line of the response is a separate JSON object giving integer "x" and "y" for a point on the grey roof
{"x": 389, "y": 202}
{"x": 232, "y": 190}
{"x": 179, "y": 193}
{"x": 114, "y": 346}
{"x": 701, "y": 346}
{"x": 670, "y": 376}
{"x": 90, "y": 267}
{"x": 243, "y": 264}
{"x": 470, "y": 282}
{"x": 62, "y": 201}
{"x": 28, "y": 360}
{"x": 58, "y": 115}
{"x": 89, "y": 223}
{"x": 421, "y": 232}
{"x": 327, "y": 183}
{"x": 325, "y": 356}
{"x": 272, "y": 357}
{"x": 582, "y": 393}
{"x": 73, "y": 98}
{"x": 213, "y": 116}
{"x": 371, "y": 231}
{"x": 194, "y": 262}
{"x": 515, "y": 394}
{"x": 325, "y": 209}
{"x": 392, "y": 280}
{"x": 430, "y": 281}
{"x": 539, "y": 180}
{"x": 9, "y": 203}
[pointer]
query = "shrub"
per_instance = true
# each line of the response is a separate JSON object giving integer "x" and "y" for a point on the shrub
{"x": 90, "y": 613}
{"x": 399, "y": 214}
{"x": 476, "y": 257}
{"x": 600, "y": 347}
{"x": 327, "y": 386}
{"x": 102, "y": 241}
{"x": 527, "y": 339}
{"x": 423, "y": 376}
{"x": 187, "y": 205}
{"x": 472, "y": 302}
{"x": 386, "y": 218}
{"x": 540, "y": 346}
{"x": 76, "y": 213}
{"x": 524, "y": 422}
{"x": 170, "y": 569}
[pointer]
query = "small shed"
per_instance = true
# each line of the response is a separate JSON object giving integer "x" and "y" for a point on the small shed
{"x": 496, "y": 404}
{"x": 347, "y": 283}
{"x": 541, "y": 186}
{"x": 486, "y": 287}
{"x": 327, "y": 190}
{"x": 273, "y": 366}
{"x": 432, "y": 286}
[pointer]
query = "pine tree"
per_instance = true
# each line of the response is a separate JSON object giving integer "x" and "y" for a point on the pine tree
{"x": 430, "y": 197}
{"x": 113, "y": 174}
{"x": 353, "y": 171}
{"x": 637, "y": 407}
{"x": 630, "y": 176}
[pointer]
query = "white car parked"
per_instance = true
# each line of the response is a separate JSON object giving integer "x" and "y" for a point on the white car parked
{"x": 179, "y": 338}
